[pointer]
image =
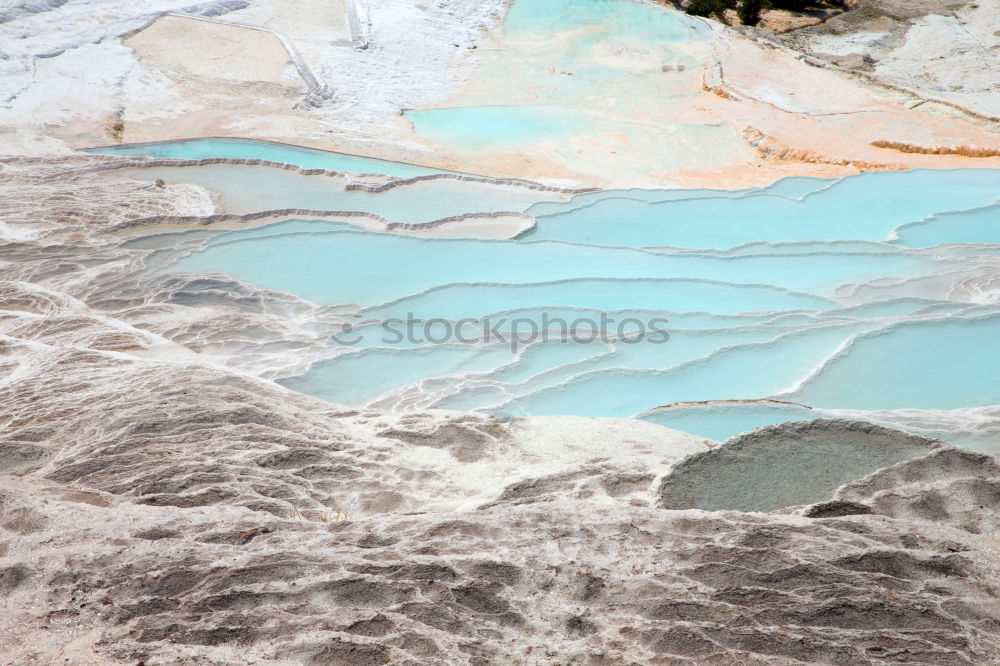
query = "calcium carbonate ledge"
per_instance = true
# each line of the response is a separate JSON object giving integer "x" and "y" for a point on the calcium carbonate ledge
{"x": 375, "y": 222}
{"x": 116, "y": 163}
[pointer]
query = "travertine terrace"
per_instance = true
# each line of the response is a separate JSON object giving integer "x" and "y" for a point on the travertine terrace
{"x": 166, "y": 498}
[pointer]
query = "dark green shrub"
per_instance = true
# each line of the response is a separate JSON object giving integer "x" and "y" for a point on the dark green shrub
{"x": 707, "y": 7}
{"x": 792, "y": 5}
{"x": 749, "y": 12}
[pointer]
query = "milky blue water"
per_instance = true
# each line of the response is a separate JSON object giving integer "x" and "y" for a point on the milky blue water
{"x": 872, "y": 293}
{"x": 864, "y": 208}
{"x": 633, "y": 21}
{"x": 754, "y": 369}
{"x": 938, "y": 364}
{"x": 359, "y": 377}
{"x": 382, "y": 265}
{"x": 488, "y": 127}
{"x": 974, "y": 226}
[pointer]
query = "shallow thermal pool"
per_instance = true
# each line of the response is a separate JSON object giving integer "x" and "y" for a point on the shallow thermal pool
{"x": 872, "y": 296}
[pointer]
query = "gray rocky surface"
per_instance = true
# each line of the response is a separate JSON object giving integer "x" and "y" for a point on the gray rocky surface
{"x": 787, "y": 465}
{"x": 103, "y": 572}
{"x": 945, "y": 50}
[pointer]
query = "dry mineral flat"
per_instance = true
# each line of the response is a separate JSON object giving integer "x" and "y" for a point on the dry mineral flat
{"x": 466, "y": 86}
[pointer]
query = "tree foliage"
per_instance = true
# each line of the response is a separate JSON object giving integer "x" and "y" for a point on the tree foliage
{"x": 707, "y": 7}
{"x": 792, "y": 5}
{"x": 749, "y": 12}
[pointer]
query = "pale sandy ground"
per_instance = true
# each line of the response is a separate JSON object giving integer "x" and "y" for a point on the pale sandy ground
{"x": 225, "y": 62}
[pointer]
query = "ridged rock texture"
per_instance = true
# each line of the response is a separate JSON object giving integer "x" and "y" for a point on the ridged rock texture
{"x": 200, "y": 527}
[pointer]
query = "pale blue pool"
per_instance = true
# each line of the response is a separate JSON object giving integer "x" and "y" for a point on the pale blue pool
{"x": 861, "y": 208}
{"x": 487, "y": 127}
{"x": 974, "y": 226}
{"x": 940, "y": 364}
{"x": 755, "y": 370}
{"x": 361, "y": 376}
{"x": 383, "y": 268}
{"x": 638, "y": 21}
{"x": 799, "y": 292}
